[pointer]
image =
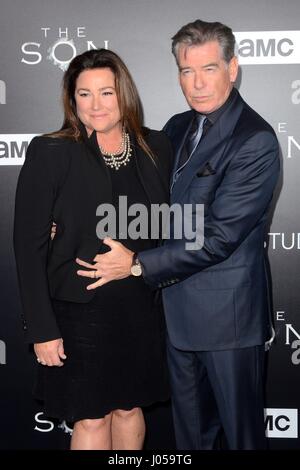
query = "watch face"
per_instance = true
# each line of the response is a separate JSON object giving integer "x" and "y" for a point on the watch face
{"x": 136, "y": 270}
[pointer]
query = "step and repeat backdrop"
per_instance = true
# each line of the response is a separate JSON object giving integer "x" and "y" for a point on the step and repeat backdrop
{"x": 37, "y": 40}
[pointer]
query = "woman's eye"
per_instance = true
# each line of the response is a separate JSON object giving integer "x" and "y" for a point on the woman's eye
{"x": 105, "y": 93}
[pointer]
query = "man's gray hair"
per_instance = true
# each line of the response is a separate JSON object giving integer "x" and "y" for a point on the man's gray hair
{"x": 200, "y": 32}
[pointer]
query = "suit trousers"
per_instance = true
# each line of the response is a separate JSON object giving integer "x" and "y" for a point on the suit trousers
{"x": 218, "y": 390}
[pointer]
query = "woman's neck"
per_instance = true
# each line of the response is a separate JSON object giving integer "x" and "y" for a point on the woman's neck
{"x": 112, "y": 141}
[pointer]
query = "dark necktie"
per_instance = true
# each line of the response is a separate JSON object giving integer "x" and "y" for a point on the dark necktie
{"x": 191, "y": 143}
{"x": 195, "y": 134}
{"x": 193, "y": 139}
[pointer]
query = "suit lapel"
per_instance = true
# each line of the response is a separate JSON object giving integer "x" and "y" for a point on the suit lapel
{"x": 150, "y": 176}
{"x": 211, "y": 147}
{"x": 178, "y": 139}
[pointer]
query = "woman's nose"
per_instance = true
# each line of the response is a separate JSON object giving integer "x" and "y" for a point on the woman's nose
{"x": 96, "y": 102}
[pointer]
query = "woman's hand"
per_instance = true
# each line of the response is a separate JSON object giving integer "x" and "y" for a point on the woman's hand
{"x": 50, "y": 353}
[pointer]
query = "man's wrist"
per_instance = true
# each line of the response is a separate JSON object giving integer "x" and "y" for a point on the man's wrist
{"x": 136, "y": 267}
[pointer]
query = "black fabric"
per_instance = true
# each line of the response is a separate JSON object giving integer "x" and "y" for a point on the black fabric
{"x": 65, "y": 181}
{"x": 115, "y": 344}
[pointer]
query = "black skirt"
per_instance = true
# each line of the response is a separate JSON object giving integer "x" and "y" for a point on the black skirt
{"x": 115, "y": 348}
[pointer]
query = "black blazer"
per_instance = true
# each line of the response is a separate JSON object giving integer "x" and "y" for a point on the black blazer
{"x": 65, "y": 181}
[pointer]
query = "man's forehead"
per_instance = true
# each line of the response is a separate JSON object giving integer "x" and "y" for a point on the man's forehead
{"x": 199, "y": 51}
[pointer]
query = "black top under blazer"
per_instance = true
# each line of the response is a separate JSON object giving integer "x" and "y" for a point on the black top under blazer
{"x": 64, "y": 181}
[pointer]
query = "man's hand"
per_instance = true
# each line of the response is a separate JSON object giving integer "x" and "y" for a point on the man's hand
{"x": 110, "y": 266}
{"x": 50, "y": 353}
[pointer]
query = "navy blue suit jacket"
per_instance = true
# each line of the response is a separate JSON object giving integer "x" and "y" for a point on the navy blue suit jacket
{"x": 217, "y": 297}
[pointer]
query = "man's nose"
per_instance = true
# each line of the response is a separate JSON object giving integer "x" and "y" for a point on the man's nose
{"x": 198, "y": 80}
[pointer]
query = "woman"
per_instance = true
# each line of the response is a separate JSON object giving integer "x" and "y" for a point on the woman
{"x": 101, "y": 351}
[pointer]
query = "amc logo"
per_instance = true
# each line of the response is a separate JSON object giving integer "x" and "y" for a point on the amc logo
{"x": 281, "y": 422}
{"x": 268, "y": 47}
{"x": 13, "y": 148}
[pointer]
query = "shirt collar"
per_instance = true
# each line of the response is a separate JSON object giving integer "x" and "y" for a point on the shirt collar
{"x": 212, "y": 117}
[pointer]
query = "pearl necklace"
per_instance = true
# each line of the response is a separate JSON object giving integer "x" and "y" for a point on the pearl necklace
{"x": 117, "y": 159}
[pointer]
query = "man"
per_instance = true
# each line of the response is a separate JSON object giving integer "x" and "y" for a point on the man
{"x": 215, "y": 298}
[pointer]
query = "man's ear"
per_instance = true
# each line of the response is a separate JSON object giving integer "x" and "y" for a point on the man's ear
{"x": 233, "y": 69}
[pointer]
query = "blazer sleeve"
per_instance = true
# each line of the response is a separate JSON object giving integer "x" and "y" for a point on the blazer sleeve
{"x": 240, "y": 202}
{"x": 35, "y": 197}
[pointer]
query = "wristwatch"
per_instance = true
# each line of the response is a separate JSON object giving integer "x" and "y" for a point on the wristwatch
{"x": 136, "y": 268}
